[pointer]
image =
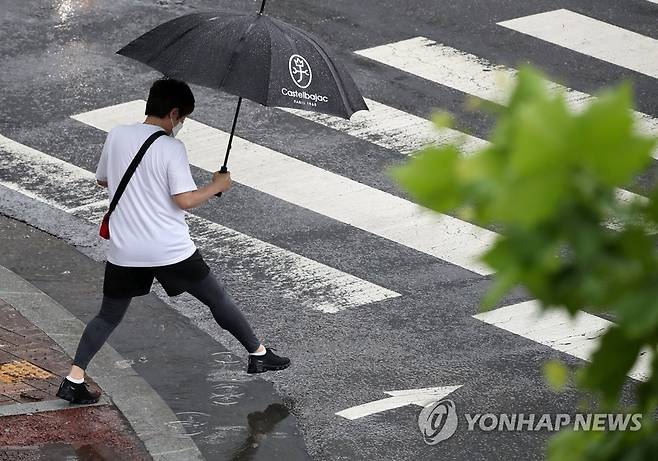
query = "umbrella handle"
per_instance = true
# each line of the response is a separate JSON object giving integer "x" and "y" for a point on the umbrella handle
{"x": 223, "y": 169}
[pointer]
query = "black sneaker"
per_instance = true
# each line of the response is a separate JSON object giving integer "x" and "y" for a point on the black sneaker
{"x": 77, "y": 393}
{"x": 267, "y": 362}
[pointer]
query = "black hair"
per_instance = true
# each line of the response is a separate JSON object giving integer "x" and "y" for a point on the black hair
{"x": 167, "y": 94}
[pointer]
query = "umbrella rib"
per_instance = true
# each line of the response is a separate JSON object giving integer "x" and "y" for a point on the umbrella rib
{"x": 237, "y": 48}
{"x": 285, "y": 36}
{"x": 269, "y": 69}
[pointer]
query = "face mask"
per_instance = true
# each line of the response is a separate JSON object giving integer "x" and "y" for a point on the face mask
{"x": 176, "y": 128}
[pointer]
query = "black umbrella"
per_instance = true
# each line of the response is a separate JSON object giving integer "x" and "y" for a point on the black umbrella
{"x": 252, "y": 56}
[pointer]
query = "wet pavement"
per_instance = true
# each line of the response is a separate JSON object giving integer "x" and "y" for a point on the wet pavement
{"x": 97, "y": 433}
{"x": 59, "y": 60}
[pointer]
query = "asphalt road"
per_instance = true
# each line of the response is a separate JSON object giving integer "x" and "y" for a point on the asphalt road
{"x": 58, "y": 60}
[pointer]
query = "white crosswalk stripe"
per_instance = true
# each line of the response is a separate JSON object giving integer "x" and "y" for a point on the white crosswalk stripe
{"x": 406, "y": 133}
{"x": 321, "y": 191}
{"x": 576, "y": 336}
{"x": 393, "y": 129}
{"x": 592, "y": 37}
{"x": 470, "y": 74}
{"x": 302, "y": 280}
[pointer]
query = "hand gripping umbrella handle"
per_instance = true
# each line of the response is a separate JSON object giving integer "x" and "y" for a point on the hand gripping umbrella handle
{"x": 223, "y": 169}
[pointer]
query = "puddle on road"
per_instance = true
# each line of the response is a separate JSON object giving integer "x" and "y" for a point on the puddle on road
{"x": 260, "y": 425}
{"x": 225, "y": 358}
{"x": 227, "y": 382}
{"x": 226, "y": 394}
{"x": 76, "y": 452}
{"x": 189, "y": 424}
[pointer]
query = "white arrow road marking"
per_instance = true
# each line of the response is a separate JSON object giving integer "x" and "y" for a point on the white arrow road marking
{"x": 321, "y": 191}
{"x": 473, "y": 75}
{"x": 300, "y": 279}
{"x": 591, "y": 37}
{"x": 420, "y": 397}
{"x": 577, "y": 336}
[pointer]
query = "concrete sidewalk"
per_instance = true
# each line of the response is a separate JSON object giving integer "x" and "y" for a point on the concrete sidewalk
{"x": 171, "y": 392}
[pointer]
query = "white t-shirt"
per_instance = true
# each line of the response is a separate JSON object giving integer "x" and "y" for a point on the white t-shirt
{"x": 147, "y": 228}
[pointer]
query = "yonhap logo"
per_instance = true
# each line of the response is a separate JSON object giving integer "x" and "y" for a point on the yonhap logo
{"x": 300, "y": 71}
{"x": 438, "y": 421}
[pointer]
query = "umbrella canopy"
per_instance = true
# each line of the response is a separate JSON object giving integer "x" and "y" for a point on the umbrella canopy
{"x": 253, "y": 56}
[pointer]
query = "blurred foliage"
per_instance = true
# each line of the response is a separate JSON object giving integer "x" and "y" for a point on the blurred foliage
{"x": 548, "y": 181}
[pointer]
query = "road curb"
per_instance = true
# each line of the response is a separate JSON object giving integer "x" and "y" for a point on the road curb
{"x": 48, "y": 405}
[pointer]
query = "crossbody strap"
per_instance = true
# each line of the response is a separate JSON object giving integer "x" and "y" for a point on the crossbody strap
{"x": 131, "y": 169}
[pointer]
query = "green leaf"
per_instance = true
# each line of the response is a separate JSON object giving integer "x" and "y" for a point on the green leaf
{"x": 572, "y": 446}
{"x": 431, "y": 177}
{"x": 442, "y": 119}
{"x": 556, "y": 374}
{"x": 605, "y": 138}
{"x": 611, "y": 362}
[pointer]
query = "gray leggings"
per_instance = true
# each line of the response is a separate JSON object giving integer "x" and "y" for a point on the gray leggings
{"x": 209, "y": 291}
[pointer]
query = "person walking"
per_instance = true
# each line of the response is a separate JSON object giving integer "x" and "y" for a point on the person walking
{"x": 149, "y": 237}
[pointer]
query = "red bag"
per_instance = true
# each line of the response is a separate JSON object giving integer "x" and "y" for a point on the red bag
{"x": 105, "y": 227}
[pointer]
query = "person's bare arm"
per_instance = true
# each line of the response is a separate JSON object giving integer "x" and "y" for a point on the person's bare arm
{"x": 221, "y": 182}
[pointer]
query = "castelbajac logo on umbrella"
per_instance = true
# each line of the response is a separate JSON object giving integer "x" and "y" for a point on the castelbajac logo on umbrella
{"x": 302, "y": 76}
{"x": 300, "y": 71}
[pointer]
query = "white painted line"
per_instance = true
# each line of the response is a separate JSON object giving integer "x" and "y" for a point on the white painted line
{"x": 300, "y": 279}
{"x": 392, "y": 128}
{"x": 321, "y": 191}
{"x": 592, "y": 37}
{"x": 447, "y": 66}
{"x": 28, "y": 171}
{"x": 398, "y": 130}
{"x": 627, "y": 197}
{"x": 420, "y": 397}
{"x": 472, "y": 75}
{"x": 34, "y": 196}
{"x": 577, "y": 336}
